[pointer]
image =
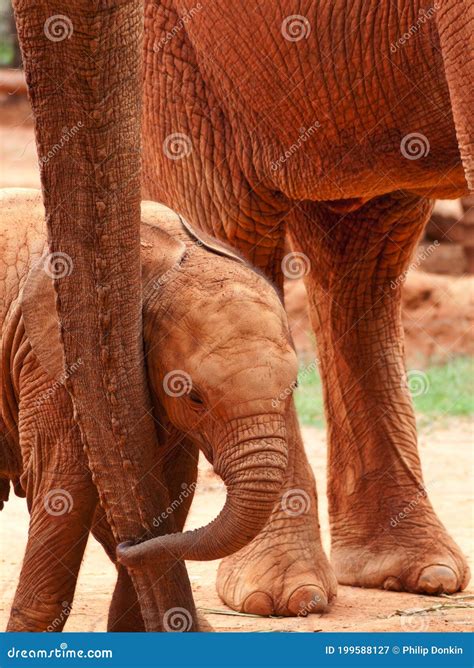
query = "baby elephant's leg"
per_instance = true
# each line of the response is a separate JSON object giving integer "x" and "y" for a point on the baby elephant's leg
{"x": 62, "y": 499}
{"x": 10, "y": 464}
{"x": 124, "y": 611}
{"x": 180, "y": 470}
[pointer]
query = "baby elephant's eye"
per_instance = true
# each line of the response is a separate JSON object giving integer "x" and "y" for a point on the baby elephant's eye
{"x": 195, "y": 398}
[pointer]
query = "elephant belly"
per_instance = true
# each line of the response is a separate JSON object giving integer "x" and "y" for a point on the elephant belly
{"x": 233, "y": 141}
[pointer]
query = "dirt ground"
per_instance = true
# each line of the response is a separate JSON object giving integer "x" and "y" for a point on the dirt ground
{"x": 445, "y": 451}
{"x": 448, "y": 483}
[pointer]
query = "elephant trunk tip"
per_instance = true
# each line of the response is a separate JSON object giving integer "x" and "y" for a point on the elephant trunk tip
{"x": 127, "y": 554}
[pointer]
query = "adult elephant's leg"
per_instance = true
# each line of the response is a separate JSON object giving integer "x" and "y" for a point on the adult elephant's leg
{"x": 284, "y": 570}
{"x": 384, "y": 530}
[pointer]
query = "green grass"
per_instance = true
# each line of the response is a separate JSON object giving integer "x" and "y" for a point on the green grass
{"x": 309, "y": 396}
{"x": 444, "y": 390}
{"x": 6, "y": 54}
{"x": 450, "y": 389}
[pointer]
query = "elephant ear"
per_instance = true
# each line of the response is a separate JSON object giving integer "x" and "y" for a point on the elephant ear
{"x": 38, "y": 306}
{"x": 210, "y": 243}
{"x": 455, "y": 22}
{"x": 161, "y": 255}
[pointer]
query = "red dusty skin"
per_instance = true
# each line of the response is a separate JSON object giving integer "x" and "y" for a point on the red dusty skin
{"x": 253, "y": 488}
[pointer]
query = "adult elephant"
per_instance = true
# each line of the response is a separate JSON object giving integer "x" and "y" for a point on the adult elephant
{"x": 82, "y": 65}
{"x": 338, "y": 123}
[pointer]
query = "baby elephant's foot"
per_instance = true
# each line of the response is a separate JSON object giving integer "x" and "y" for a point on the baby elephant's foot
{"x": 279, "y": 573}
{"x": 413, "y": 554}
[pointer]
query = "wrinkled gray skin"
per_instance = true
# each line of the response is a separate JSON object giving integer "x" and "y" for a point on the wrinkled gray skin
{"x": 218, "y": 352}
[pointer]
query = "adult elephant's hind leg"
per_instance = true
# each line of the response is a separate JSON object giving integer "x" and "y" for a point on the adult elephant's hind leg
{"x": 284, "y": 570}
{"x": 384, "y": 530}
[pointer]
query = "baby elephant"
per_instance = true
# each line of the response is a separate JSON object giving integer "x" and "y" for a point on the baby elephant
{"x": 218, "y": 352}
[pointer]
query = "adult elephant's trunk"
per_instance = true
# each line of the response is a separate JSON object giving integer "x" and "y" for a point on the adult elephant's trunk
{"x": 83, "y": 68}
{"x": 253, "y": 473}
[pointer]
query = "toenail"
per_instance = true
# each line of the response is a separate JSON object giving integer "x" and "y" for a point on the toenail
{"x": 306, "y": 600}
{"x": 438, "y": 579}
{"x": 258, "y": 603}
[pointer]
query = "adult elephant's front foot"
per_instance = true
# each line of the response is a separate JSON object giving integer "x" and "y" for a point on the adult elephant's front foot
{"x": 410, "y": 551}
{"x": 284, "y": 571}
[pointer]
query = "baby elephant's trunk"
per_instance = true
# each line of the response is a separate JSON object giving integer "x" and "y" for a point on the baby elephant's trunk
{"x": 253, "y": 472}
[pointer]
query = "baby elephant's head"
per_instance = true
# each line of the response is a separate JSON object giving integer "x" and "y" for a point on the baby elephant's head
{"x": 221, "y": 366}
